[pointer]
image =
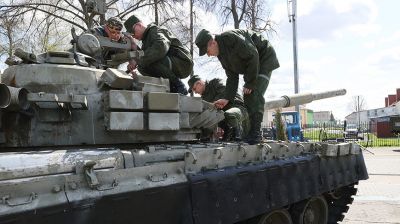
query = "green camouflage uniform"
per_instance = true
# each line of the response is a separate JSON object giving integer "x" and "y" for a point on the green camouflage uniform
{"x": 248, "y": 53}
{"x": 164, "y": 55}
{"x": 235, "y": 112}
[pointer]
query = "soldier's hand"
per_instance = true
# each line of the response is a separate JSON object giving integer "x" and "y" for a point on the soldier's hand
{"x": 132, "y": 65}
{"x": 247, "y": 91}
{"x": 133, "y": 74}
{"x": 218, "y": 133}
{"x": 221, "y": 103}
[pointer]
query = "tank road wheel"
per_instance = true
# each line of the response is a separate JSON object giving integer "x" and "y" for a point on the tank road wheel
{"x": 281, "y": 216}
{"x": 312, "y": 211}
{"x": 338, "y": 203}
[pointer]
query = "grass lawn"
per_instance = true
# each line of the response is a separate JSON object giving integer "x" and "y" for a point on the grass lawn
{"x": 315, "y": 134}
{"x": 374, "y": 141}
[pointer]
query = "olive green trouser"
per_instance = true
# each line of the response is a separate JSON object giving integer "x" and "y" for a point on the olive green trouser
{"x": 172, "y": 68}
{"x": 255, "y": 101}
{"x": 236, "y": 116}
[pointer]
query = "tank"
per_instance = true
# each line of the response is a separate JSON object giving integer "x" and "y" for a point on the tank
{"x": 82, "y": 144}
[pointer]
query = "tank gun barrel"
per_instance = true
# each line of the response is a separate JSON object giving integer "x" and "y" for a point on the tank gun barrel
{"x": 302, "y": 98}
{"x": 25, "y": 56}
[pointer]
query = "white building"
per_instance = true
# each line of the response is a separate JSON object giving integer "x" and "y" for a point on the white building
{"x": 392, "y": 108}
{"x": 365, "y": 115}
{"x": 322, "y": 116}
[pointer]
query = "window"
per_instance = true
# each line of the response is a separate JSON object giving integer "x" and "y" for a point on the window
{"x": 288, "y": 118}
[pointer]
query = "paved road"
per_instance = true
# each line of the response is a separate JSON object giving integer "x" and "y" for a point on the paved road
{"x": 378, "y": 198}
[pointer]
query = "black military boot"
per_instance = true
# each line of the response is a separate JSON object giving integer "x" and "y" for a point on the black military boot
{"x": 254, "y": 136}
{"x": 228, "y": 134}
{"x": 238, "y": 133}
{"x": 178, "y": 87}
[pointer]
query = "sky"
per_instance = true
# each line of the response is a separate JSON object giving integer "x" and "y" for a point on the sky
{"x": 352, "y": 44}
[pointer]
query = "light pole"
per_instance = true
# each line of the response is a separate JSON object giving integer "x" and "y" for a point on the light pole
{"x": 191, "y": 35}
{"x": 358, "y": 111}
{"x": 292, "y": 10}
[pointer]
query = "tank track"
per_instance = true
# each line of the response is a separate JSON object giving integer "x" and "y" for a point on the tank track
{"x": 338, "y": 203}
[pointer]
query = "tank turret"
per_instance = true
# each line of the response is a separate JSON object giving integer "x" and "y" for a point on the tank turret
{"x": 57, "y": 102}
{"x": 68, "y": 104}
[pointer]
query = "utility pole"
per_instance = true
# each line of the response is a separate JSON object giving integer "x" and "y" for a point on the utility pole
{"x": 191, "y": 34}
{"x": 292, "y": 11}
{"x": 358, "y": 111}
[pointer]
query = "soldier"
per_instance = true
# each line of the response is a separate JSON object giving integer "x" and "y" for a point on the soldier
{"x": 248, "y": 53}
{"x": 164, "y": 55}
{"x": 112, "y": 30}
{"x": 236, "y": 118}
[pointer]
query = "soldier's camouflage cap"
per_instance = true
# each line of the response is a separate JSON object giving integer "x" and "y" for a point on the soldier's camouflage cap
{"x": 130, "y": 22}
{"x": 114, "y": 22}
{"x": 192, "y": 81}
{"x": 202, "y": 41}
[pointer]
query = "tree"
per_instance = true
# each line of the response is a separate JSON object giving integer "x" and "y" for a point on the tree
{"x": 77, "y": 13}
{"x": 332, "y": 118}
{"x": 30, "y": 31}
{"x": 280, "y": 126}
{"x": 44, "y": 25}
{"x": 11, "y": 34}
{"x": 165, "y": 10}
{"x": 257, "y": 18}
{"x": 358, "y": 103}
{"x": 47, "y": 22}
{"x": 47, "y": 35}
{"x": 236, "y": 8}
{"x": 249, "y": 14}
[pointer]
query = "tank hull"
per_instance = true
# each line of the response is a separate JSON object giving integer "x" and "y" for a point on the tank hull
{"x": 219, "y": 183}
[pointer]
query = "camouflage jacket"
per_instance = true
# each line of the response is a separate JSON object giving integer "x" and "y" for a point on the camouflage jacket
{"x": 215, "y": 90}
{"x": 244, "y": 52}
{"x": 158, "y": 42}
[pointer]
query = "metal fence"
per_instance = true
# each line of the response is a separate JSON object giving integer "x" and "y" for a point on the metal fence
{"x": 366, "y": 134}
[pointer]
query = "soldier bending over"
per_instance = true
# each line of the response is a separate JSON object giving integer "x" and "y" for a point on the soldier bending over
{"x": 164, "y": 55}
{"x": 236, "y": 123}
{"x": 248, "y": 53}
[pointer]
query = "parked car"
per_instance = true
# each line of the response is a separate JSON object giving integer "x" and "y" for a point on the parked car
{"x": 351, "y": 131}
{"x": 268, "y": 133}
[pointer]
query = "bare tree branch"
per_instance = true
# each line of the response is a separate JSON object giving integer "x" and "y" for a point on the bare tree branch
{"x": 73, "y": 6}
{"x": 37, "y": 5}
{"x": 37, "y": 8}
{"x": 140, "y": 4}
